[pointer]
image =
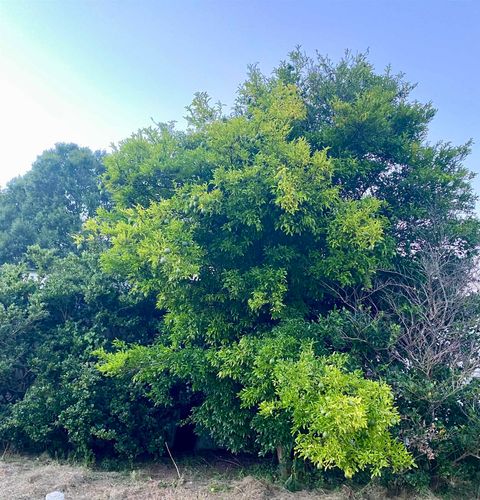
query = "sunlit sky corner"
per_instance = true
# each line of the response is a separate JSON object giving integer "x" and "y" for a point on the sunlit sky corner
{"x": 91, "y": 72}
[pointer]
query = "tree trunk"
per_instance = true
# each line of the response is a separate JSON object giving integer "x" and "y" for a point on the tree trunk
{"x": 283, "y": 463}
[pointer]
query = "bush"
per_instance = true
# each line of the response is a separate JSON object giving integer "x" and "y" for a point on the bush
{"x": 58, "y": 400}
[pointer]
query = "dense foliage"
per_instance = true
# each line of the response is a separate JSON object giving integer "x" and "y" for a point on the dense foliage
{"x": 294, "y": 278}
{"x": 51, "y": 395}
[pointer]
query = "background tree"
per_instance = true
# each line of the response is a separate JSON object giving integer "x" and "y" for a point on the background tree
{"x": 49, "y": 204}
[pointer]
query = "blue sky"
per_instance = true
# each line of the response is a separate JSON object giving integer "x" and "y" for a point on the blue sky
{"x": 92, "y": 72}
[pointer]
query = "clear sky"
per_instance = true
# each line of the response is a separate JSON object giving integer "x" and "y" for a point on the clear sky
{"x": 92, "y": 72}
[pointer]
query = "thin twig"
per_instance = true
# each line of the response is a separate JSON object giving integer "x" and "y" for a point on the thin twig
{"x": 228, "y": 461}
{"x": 5, "y": 451}
{"x": 206, "y": 461}
{"x": 171, "y": 457}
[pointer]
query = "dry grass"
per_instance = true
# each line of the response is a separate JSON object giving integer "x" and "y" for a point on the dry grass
{"x": 23, "y": 478}
{"x": 31, "y": 479}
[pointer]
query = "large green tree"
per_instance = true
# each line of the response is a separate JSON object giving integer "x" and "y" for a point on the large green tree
{"x": 312, "y": 186}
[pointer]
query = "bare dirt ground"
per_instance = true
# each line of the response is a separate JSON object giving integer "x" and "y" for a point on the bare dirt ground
{"x": 24, "y": 478}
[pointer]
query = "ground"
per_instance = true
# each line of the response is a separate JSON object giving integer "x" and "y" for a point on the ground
{"x": 30, "y": 478}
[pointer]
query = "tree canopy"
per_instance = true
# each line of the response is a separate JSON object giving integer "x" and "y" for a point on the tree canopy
{"x": 316, "y": 182}
{"x": 51, "y": 201}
